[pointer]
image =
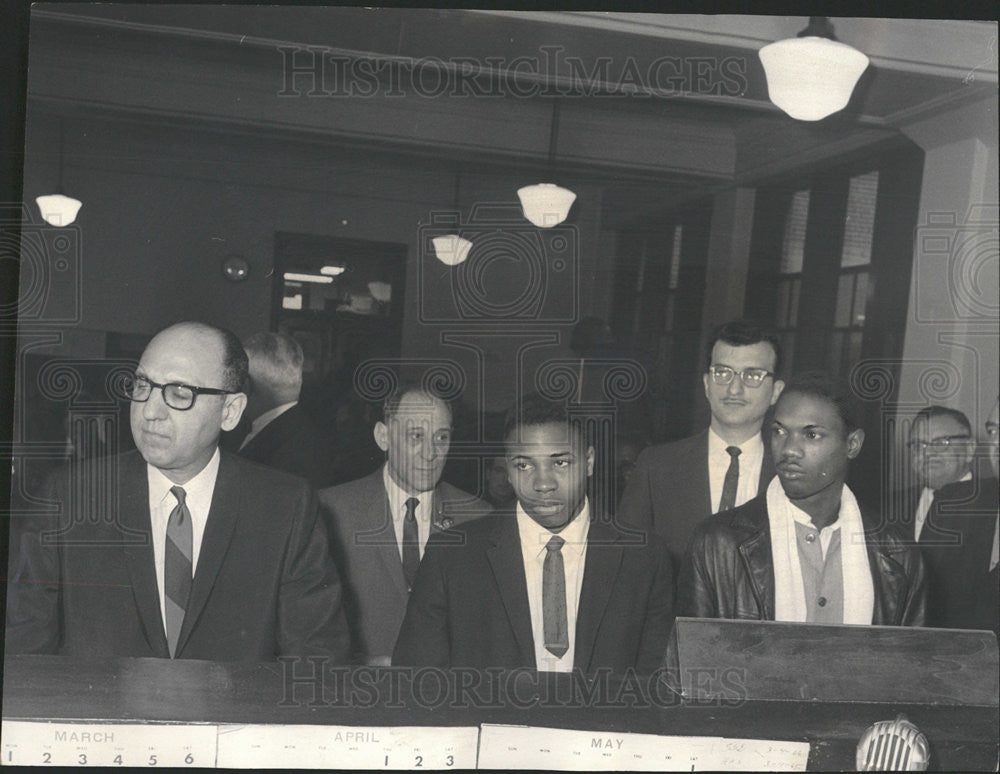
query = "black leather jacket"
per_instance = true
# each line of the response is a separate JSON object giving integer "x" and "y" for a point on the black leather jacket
{"x": 728, "y": 572}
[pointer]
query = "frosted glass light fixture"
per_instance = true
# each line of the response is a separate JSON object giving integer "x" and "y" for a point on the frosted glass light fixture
{"x": 58, "y": 209}
{"x": 545, "y": 204}
{"x": 451, "y": 249}
{"x": 812, "y": 75}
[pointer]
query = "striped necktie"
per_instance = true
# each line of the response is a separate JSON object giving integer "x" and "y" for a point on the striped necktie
{"x": 177, "y": 567}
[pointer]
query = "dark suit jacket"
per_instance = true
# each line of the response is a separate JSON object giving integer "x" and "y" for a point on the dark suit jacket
{"x": 729, "y": 572}
{"x": 469, "y": 605}
{"x": 365, "y": 548}
{"x": 956, "y": 541}
{"x": 264, "y": 586}
{"x": 291, "y": 443}
{"x": 669, "y": 491}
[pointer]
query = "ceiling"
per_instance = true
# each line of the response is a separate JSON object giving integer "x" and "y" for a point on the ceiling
{"x": 694, "y": 79}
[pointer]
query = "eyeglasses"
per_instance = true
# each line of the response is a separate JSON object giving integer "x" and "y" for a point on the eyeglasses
{"x": 175, "y": 394}
{"x": 751, "y": 377}
{"x": 938, "y": 444}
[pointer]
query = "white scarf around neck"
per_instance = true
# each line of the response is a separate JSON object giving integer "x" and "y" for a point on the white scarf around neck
{"x": 789, "y": 592}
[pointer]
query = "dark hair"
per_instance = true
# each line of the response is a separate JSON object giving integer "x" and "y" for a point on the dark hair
{"x": 391, "y": 404}
{"x": 235, "y": 364}
{"x": 536, "y": 409}
{"x": 943, "y": 411}
{"x": 833, "y": 389}
{"x": 743, "y": 333}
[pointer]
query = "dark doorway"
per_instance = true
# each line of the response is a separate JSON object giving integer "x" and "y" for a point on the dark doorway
{"x": 342, "y": 299}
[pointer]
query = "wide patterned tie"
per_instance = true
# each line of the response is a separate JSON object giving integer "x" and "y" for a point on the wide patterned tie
{"x": 177, "y": 567}
{"x": 732, "y": 479}
{"x": 554, "y": 599}
{"x": 411, "y": 542}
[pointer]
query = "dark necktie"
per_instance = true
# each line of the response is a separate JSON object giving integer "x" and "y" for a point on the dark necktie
{"x": 411, "y": 542}
{"x": 554, "y": 599}
{"x": 729, "y": 484}
{"x": 177, "y": 567}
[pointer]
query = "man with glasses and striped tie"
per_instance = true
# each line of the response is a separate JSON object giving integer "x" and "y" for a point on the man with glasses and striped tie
{"x": 675, "y": 486}
{"x": 177, "y": 550}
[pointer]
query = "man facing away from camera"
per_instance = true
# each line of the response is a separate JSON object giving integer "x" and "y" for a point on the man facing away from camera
{"x": 282, "y": 435}
{"x": 674, "y": 486}
{"x": 547, "y": 585}
{"x": 180, "y": 551}
{"x": 804, "y": 550}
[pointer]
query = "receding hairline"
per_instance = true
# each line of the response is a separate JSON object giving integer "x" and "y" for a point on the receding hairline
{"x": 429, "y": 401}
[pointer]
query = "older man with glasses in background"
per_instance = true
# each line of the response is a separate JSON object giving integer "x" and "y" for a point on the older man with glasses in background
{"x": 675, "y": 486}
{"x": 177, "y": 550}
{"x": 950, "y": 512}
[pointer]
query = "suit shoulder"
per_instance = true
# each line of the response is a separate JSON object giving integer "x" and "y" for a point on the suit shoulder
{"x": 467, "y": 505}
{"x": 681, "y": 449}
{"x": 734, "y": 525}
{"x": 255, "y": 476}
{"x": 352, "y": 490}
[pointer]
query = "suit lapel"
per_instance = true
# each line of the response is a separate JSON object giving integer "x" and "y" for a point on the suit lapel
{"x": 222, "y": 518}
{"x": 600, "y": 571}
{"x": 766, "y": 471}
{"x": 507, "y": 564}
{"x": 701, "y": 485}
{"x": 134, "y": 515}
{"x": 382, "y": 536}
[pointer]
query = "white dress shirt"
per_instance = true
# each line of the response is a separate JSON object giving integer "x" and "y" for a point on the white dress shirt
{"x": 397, "y": 507}
{"x": 751, "y": 458}
{"x": 198, "y": 498}
{"x": 534, "y": 538}
{"x": 265, "y": 419}
{"x": 924, "y": 506}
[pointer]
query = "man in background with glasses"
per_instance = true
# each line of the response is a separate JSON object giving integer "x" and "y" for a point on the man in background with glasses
{"x": 675, "y": 486}
{"x": 950, "y": 511}
{"x": 177, "y": 550}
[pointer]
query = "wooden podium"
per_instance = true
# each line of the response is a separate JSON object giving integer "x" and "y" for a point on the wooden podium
{"x": 943, "y": 680}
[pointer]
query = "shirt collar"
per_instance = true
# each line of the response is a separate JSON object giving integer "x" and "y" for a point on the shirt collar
{"x": 398, "y": 497}
{"x": 534, "y": 537}
{"x": 198, "y": 489}
{"x": 929, "y": 492}
{"x": 269, "y": 416}
{"x": 751, "y": 447}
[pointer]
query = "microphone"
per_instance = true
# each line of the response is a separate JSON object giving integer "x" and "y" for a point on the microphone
{"x": 893, "y": 745}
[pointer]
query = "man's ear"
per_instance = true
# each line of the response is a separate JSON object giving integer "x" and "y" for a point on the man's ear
{"x": 776, "y": 390}
{"x": 381, "y": 433}
{"x": 590, "y": 461}
{"x": 705, "y": 377}
{"x": 855, "y": 439}
{"x": 232, "y": 410}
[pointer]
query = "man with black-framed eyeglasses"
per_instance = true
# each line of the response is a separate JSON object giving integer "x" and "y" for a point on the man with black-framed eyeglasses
{"x": 674, "y": 486}
{"x": 949, "y": 511}
{"x": 177, "y": 550}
